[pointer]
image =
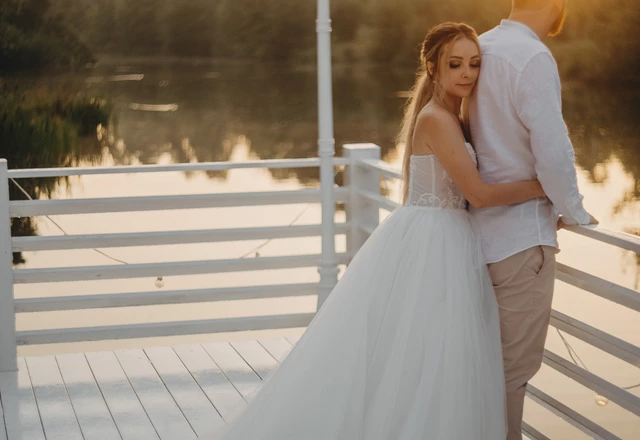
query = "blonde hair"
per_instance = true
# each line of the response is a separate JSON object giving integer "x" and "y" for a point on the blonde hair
{"x": 437, "y": 39}
{"x": 529, "y": 4}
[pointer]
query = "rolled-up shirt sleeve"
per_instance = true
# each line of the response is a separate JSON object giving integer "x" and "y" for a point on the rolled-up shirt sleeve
{"x": 539, "y": 104}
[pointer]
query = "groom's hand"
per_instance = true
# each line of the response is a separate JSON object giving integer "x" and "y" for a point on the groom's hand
{"x": 592, "y": 221}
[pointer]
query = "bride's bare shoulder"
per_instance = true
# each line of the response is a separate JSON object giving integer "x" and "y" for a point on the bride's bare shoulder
{"x": 433, "y": 125}
{"x": 434, "y": 115}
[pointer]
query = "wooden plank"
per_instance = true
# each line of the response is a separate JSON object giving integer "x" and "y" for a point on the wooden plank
{"x": 597, "y": 338}
{"x": 278, "y": 348}
{"x": 57, "y": 414}
{"x": 625, "y": 399}
{"x": 367, "y": 228}
{"x": 156, "y": 329}
{"x": 598, "y": 286}
{"x": 161, "y": 297}
{"x": 175, "y": 268}
{"x": 91, "y": 410}
{"x": 203, "y": 166}
{"x": 125, "y": 407}
{"x": 574, "y": 418}
{"x": 32, "y": 208}
{"x": 234, "y": 367}
{"x": 167, "y": 418}
{"x": 615, "y": 238}
{"x": 22, "y": 419}
{"x": 382, "y": 167}
{"x": 532, "y": 433}
{"x": 89, "y": 241}
{"x": 224, "y": 396}
{"x": 193, "y": 402}
{"x": 257, "y": 357}
{"x": 293, "y": 339}
{"x": 380, "y": 201}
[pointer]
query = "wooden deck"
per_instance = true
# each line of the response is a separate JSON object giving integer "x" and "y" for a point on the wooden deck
{"x": 167, "y": 393}
{"x": 164, "y": 393}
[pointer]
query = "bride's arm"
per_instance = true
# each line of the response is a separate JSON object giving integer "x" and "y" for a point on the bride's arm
{"x": 441, "y": 132}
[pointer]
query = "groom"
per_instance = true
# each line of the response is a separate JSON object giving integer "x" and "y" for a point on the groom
{"x": 519, "y": 134}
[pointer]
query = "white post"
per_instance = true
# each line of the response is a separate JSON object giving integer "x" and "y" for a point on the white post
{"x": 361, "y": 211}
{"x": 326, "y": 150}
{"x": 8, "y": 350}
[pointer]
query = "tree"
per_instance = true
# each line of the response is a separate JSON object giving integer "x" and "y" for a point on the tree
{"x": 30, "y": 39}
{"x": 191, "y": 28}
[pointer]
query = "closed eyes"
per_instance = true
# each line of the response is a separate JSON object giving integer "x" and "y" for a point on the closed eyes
{"x": 457, "y": 65}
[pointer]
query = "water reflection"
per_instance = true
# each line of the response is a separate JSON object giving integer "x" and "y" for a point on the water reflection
{"x": 87, "y": 150}
{"x": 276, "y": 111}
{"x": 46, "y": 126}
{"x": 604, "y": 126}
{"x": 207, "y": 108}
{"x": 273, "y": 112}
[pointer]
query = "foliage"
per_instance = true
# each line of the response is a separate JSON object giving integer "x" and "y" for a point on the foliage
{"x": 381, "y": 31}
{"x": 40, "y": 129}
{"x": 30, "y": 39}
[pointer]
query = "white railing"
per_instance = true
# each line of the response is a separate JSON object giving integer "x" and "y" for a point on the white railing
{"x": 10, "y": 338}
{"x": 8, "y": 360}
{"x": 364, "y": 201}
{"x": 374, "y": 169}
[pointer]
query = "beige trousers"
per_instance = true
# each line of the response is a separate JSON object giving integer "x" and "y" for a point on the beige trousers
{"x": 524, "y": 288}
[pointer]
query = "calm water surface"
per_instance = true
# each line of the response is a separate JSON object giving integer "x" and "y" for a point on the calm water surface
{"x": 190, "y": 112}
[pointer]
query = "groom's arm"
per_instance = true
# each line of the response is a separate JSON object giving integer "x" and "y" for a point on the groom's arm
{"x": 539, "y": 104}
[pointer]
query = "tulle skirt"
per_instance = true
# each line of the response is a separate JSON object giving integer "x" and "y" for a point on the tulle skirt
{"x": 407, "y": 346}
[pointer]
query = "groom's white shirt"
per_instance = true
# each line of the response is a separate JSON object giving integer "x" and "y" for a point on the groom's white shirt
{"x": 519, "y": 134}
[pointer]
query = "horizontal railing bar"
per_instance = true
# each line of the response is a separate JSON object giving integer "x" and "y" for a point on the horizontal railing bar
{"x": 384, "y": 168}
{"x": 89, "y": 241}
{"x": 598, "y": 286}
{"x": 84, "y": 273}
{"x": 616, "y": 394}
{"x": 135, "y": 299}
{"x": 204, "y": 166}
{"x": 368, "y": 229}
{"x": 591, "y": 335}
{"x": 533, "y": 433}
{"x": 162, "y": 329}
{"x": 615, "y": 238}
{"x": 340, "y": 161}
{"x": 379, "y": 200}
{"x": 569, "y": 415}
{"x": 29, "y": 208}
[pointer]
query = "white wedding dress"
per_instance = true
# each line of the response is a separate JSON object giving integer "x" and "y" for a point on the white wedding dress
{"x": 407, "y": 346}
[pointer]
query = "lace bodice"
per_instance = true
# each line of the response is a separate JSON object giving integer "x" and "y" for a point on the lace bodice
{"x": 431, "y": 186}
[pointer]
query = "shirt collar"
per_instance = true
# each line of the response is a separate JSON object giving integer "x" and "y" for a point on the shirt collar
{"x": 512, "y": 24}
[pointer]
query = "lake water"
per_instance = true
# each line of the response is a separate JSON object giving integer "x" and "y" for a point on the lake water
{"x": 197, "y": 112}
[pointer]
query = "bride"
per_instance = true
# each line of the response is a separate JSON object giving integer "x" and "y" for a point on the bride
{"x": 407, "y": 346}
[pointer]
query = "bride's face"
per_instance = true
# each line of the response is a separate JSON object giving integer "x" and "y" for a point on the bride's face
{"x": 460, "y": 68}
